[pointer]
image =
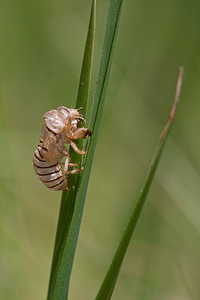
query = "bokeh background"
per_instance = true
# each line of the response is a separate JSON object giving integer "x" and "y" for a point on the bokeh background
{"x": 42, "y": 44}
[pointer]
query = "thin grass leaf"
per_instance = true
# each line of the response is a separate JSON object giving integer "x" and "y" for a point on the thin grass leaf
{"x": 69, "y": 240}
{"x": 109, "y": 42}
{"x": 68, "y": 198}
{"x": 109, "y": 282}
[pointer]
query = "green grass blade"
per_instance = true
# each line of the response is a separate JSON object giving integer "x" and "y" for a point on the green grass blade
{"x": 109, "y": 282}
{"x": 69, "y": 240}
{"x": 109, "y": 42}
{"x": 85, "y": 79}
{"x": 95, "y": 118}
{"x": 68, "y": 198}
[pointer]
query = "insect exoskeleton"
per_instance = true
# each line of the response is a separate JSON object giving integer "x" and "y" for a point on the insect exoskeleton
{"x": 60, "y": 127}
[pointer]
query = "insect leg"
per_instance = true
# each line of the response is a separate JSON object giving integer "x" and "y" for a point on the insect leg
{"x": 73, "y": 145}
{"x": 73, "y": 165}
{"x": 75, "y": 171}
{"x": 81, "y": 133}
{"x": 70, "y": 164}
{"x": 66, "y": 165}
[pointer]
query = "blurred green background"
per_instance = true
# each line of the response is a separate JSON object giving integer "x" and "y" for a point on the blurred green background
{"x": 42, "y": 44}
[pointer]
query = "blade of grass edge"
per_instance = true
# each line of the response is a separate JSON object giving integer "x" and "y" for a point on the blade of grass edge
{"x": 68, "y": 198}
{"x": 107, "y": 287}
{"x": 68, "y": 252}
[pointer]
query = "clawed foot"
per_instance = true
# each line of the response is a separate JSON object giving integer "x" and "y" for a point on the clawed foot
{"x": 87, "y": 132}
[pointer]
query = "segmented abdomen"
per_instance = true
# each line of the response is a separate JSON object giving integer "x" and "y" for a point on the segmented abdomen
{"x": 50, "y": 174}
